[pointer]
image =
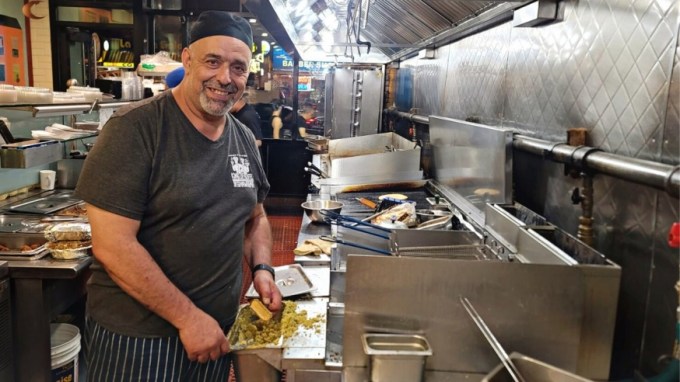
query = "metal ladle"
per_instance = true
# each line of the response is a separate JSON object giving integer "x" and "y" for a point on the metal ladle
{"x": 507, "y": 362}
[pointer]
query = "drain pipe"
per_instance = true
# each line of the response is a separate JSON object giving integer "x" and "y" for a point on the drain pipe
{"x": 658, "y": 175}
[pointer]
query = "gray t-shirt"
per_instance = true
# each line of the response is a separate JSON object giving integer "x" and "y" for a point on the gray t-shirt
{"x": 192, "y": 197}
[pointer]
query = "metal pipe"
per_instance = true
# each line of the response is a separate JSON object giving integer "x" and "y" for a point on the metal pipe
{"x": 585, "y": 221}
{"x": 422, "y": 119}
{"x": 658, "y": 175}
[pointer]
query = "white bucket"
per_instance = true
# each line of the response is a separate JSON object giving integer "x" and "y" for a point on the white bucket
{"x": 65, "y": 346}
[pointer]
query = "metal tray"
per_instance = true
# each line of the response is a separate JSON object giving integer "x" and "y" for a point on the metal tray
{"x": 36, "y": 256}
{"x": 291, "y": 280}
{"x": 45, "y": 205}
{"x": 233, "y": 335}
{"x": 16, "y": 240}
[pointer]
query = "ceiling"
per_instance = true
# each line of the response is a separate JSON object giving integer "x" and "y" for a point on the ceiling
{"x": 374, "y": 31}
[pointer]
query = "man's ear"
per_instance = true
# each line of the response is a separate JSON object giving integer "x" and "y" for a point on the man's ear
{"x": 186, "y": 58}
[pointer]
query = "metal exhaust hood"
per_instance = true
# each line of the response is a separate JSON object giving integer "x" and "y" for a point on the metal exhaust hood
{"x": 375, "y": 31}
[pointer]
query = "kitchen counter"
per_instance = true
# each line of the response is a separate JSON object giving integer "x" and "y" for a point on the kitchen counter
{"x": 351, "y": 207}
{"x": 4, "y": 269}
{"x": 48, "y": 268}
{"x": 42, "y": 289}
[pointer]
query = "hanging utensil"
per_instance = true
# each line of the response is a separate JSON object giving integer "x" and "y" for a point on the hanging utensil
{"x": 507, "y": 362}
{"x": 315, "y": 167}
{"x": 313, "y": 172}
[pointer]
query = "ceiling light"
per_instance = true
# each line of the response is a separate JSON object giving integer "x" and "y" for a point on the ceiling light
{"x": 265, "y": 34}
{"x": 252, "y": 21}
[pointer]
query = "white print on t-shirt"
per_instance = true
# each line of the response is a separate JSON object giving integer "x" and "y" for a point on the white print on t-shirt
{"x": 240, "y": 171}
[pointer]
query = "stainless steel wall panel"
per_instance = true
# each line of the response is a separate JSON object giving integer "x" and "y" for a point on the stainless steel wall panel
{"x": 671, "y": 135}
{"x": 371, "y": 102}
{"x": 605, "y": 67}
{"x": 533, "y": 305}
{"x": 341, "y": 122}
{"x": 475, "y": 77}
{"x": 429, "y": 82}
{"x": 614, "y": 68}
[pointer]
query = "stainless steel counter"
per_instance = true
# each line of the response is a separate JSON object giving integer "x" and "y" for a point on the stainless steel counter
{"x": 42, "y": 289}
{"x": 48, "y": 268}
{"x": 4, "y": 269}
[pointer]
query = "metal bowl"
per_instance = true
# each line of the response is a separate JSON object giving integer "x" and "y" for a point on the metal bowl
{"x": 313, "y": 209}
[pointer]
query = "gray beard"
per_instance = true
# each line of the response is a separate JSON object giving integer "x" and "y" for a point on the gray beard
{"x": 216, "y": 109}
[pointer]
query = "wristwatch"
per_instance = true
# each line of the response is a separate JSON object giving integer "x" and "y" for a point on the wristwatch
{"x": 264, "y": 267}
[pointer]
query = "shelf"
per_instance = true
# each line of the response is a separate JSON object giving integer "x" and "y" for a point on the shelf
{"x": 118, "y": 65}
{"x": 62, "y": 109}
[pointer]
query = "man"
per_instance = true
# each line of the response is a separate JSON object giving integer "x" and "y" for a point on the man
{"x": 174, "y": 187}
{"x": 290, "y": 126}
{"x": 247, "y": 115}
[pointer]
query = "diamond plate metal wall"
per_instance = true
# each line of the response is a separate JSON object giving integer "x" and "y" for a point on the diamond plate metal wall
{"x": 614, "y": 68}
{"x": 475, "y": 77}
{"x": 429, "y": 84}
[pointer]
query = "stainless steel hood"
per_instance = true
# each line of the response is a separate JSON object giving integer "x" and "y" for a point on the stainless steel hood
{"x": 374, "y": 31}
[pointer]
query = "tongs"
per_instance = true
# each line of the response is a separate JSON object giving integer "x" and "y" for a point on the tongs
{"x": 334, "y": 239}
{"x": 354, "y": 224}
{"x": 507, "y": 362}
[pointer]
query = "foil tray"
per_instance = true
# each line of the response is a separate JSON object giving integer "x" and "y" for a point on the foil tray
{"x": 291, "y": 280}
{"x": 233, "y": 335}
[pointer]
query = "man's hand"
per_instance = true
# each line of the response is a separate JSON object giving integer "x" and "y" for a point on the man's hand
{"x": 268, "y": 291}
{"x": 202, "y": 337}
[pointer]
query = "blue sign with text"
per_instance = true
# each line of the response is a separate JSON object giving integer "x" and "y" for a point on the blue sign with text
{"x": 282, "y": 61}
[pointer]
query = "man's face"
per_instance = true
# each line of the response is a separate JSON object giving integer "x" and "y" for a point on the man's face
{"x": 217, "y": 69}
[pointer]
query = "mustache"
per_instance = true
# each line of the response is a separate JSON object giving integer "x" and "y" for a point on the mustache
{"x": 230, "y": 87}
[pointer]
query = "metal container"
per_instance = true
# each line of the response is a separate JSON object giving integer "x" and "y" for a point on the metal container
{"x": 68, "y": 172}
{"x": 291, "y": 280}
{"x": 30, "y": 155}
{"x": 313, "y": 209}
{"x": 260, "y": 365}
{"x": 336, "y": 316}
{"x": 396, "y": 357}
{"x": 532, "y": 371}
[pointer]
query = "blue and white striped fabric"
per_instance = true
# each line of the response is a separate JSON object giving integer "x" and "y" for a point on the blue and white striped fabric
{"x": 118, "y": 358}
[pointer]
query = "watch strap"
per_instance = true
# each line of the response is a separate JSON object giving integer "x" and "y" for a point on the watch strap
{"x": 264, "y": 267}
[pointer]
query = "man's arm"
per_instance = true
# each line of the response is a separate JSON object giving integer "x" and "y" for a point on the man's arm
{"x": 115, "y": 246}
{"x": 259, "y": 251}
{"x": 277, "y": 124}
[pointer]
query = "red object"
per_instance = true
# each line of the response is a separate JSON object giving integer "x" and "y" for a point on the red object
{"x": 674, "y": 236}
